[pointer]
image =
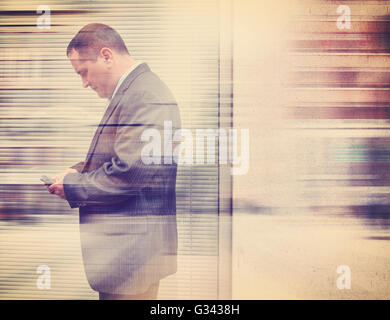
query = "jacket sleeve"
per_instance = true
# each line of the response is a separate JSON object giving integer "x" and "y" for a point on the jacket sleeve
{"x": 78, "y": 166}
{"x": 125, "y": 175}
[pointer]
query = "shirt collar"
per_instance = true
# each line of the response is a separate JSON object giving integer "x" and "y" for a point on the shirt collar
{"x": 124, "y": 76}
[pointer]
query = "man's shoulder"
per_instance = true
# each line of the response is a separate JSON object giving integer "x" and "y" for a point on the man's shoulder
{"x": 148, "y": 84}
{"x": 146, "y": 79}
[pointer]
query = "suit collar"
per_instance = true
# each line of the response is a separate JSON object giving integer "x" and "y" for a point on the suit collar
{"x": 143, "y": 67}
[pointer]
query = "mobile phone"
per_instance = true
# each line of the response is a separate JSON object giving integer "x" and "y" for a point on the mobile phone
{"x": 47, "y": 180}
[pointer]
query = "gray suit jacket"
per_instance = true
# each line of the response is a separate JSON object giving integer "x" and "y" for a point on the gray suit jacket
{"x": 128, "y": 208}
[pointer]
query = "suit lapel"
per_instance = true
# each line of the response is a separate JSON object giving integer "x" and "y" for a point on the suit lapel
{"x": 111, "y": 107}
{"x": 104, "y": 120}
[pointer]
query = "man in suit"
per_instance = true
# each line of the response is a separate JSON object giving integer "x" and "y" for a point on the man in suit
{"x": 127, "y": 207}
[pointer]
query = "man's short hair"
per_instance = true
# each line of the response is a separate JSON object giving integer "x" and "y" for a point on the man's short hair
{"x": 95, "y": 36}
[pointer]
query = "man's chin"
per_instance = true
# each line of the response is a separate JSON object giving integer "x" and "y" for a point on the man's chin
{"x": 100, "y": 94}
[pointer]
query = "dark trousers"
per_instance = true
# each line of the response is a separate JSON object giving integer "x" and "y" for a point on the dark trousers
{"x": 150, "y": 294}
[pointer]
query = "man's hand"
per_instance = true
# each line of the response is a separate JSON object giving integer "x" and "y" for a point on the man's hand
{"x": 60, "y": 176}
{"x": 58, "y": 186}
{"x": 58, "y": 189}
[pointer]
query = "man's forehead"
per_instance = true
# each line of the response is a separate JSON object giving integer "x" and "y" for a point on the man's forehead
{"x": 76, "y": 57}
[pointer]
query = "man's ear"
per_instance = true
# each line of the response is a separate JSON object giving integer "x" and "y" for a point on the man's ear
{"x": 107, "y": 55}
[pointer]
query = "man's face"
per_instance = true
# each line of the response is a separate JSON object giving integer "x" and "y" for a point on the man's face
{"x": 94, "y": 74}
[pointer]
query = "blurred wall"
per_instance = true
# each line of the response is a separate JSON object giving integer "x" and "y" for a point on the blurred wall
{"x": 315, "y": 97}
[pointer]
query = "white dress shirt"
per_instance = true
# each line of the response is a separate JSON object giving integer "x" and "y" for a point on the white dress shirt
{"x": 124, "y": 76}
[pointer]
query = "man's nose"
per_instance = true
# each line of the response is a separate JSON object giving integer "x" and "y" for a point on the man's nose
{"x": 85, "y": 83}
